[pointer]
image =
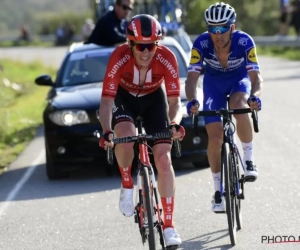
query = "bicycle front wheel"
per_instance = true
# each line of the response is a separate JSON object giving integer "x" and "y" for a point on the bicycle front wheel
{"x": 148, "y": 211}
{"x": 238, "y": 201}
{"x": 230, "y": 196}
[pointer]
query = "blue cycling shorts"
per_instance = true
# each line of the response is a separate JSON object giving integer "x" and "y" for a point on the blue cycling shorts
{"x": 216, "y": 89}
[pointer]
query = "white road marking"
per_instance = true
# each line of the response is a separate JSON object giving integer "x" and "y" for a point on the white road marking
{"x": 13, "y": 193}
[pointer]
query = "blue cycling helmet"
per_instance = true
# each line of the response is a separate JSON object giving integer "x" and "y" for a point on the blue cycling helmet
{"x": 220, "y": 14}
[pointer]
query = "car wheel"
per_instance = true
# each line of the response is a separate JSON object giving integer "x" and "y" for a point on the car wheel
{"x": 53, "y": 172}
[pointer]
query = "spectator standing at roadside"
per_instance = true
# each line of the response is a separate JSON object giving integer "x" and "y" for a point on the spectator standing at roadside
{"x": 295, "y": 16}
{"x": 110, "y": 28}
{"x": 284, "y": 9}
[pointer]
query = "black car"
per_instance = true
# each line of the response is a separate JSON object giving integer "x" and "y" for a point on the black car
{"x": 71, "y": 115}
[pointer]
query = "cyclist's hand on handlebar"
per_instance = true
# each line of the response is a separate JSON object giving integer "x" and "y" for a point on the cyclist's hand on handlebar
{"x": 192, "y": 107}
{"x": 254, "y": 103}
{"x": 177, "y": 130}
{"x": 106, "y": 140}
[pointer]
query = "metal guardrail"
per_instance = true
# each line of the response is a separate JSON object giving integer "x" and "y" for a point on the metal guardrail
{"x": 288, "y": 41}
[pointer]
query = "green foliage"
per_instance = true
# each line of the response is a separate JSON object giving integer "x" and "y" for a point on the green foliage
{"x": 255, "y": 17}
{"x": 53, "y": 21}
{"x": 280, "y": 51}
{"x": 14, "y": 13}
{"x": 20, "y": 109}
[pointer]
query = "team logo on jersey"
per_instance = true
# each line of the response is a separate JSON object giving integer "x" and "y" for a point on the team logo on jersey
{"x": 252, "y": 55}
{"x": 243, "y": 41}
{"x": 195, "y": 57}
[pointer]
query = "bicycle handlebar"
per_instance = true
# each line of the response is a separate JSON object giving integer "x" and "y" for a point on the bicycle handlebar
{"x": 141, "y": 137}
{"x": 225, "y": 112}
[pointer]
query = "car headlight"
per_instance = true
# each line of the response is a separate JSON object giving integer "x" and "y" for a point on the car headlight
{"x": 69, "y": 117}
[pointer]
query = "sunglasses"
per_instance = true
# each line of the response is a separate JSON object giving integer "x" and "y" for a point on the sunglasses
{"x": 125, "y": 7}
{"x": 218, "y": 29}
{"x": 142, "y": 46}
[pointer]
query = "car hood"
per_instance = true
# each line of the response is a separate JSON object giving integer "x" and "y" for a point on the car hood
{"x": 183, "y": 95}
{"x": 89, "y": 95}
{"x": 78, "y": 96}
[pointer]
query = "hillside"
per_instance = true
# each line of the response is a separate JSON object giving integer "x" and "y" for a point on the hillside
{"x": 13, "y": 13}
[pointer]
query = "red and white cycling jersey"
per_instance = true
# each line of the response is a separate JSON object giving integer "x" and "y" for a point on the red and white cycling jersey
{"x": 122, "y": 70}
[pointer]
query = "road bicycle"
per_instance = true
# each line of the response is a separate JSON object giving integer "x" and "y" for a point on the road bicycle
{"x": 148, "y": 209}
{"x": 231, "y": 162}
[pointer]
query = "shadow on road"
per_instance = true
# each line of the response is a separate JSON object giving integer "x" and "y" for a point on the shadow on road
{"x": 201, "y": 241}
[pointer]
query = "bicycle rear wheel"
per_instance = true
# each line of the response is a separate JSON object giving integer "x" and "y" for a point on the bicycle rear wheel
{"x": 148, "y": 211}
{"x": 229, "y": 192}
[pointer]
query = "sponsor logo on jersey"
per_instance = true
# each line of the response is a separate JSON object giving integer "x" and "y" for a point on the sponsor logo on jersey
{"x": 168, "y": 65}
{"x": 232, "y": 64}
{"x": 195, "y": 57}
{"x": 243, "y": 41}
{"x": 235, "y": 63}
{"x": 204, "y": 44}
{"x": 252, "y": 55}
{"x": 117, "y": 66}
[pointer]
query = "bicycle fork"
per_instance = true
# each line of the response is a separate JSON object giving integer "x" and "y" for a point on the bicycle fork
{"x": 139, "y": 196}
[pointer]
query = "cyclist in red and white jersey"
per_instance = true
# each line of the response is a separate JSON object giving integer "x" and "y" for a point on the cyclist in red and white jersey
{"x": 133, "y": 86}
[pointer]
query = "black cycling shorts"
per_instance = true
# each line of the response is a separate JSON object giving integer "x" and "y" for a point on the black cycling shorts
{"x": 153, "y": 108}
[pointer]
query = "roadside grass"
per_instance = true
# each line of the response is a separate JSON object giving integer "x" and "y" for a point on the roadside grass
{"x": 291, "y": 53}
{"x": 21, "y": 106}
{"x": 34, "y": 43}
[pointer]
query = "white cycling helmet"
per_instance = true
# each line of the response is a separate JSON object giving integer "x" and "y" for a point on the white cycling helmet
{"x": 219, "y": 14}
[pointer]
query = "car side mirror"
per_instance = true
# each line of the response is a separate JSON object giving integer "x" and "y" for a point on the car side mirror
{"x": 44, "y": 80}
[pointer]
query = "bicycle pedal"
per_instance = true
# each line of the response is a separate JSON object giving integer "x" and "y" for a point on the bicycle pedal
{"x": 250, "y": 179}
{"x": 174, "y": 247}
{"x": 241, "y": 197}
{"x": 136, "y": 219}
{"x": 220, "y": 212}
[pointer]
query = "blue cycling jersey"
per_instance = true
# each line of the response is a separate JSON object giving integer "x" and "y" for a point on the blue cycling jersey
{"x": 218, "y": 81}
{"x": 242, "y": 56}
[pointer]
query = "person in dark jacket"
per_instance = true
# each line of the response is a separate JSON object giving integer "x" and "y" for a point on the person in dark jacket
{"x": 295, "y": 16}
{"x": 110, "y": 29}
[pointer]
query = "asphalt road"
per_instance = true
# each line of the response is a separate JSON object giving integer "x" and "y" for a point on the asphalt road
{"x": 82, "y": 212}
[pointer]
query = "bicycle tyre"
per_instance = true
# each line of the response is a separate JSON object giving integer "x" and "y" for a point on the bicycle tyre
{"x": 149, "y": 207}
{"x": 238, "y": 202}
{"x": 229, "y": 192}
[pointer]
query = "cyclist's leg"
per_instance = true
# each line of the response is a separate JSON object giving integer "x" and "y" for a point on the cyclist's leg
{"x": 214, "y": 99}
{"x": 238, "y": 99}
{"x": 123, "y": 124}
{"x": 156, "y": 120}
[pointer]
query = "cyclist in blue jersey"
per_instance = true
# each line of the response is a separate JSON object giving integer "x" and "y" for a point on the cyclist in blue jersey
{"x": 231, "y": 69}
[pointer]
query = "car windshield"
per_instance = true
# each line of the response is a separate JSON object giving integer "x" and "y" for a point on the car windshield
{"x": 82, "y": 68}
{"x": 181, "y": 40}
{"x": 88, "y": 67}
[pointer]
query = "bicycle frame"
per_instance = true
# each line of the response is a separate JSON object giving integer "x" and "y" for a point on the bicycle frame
{"x": 229, "y": 137}
{"x": 144, "y": 162}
